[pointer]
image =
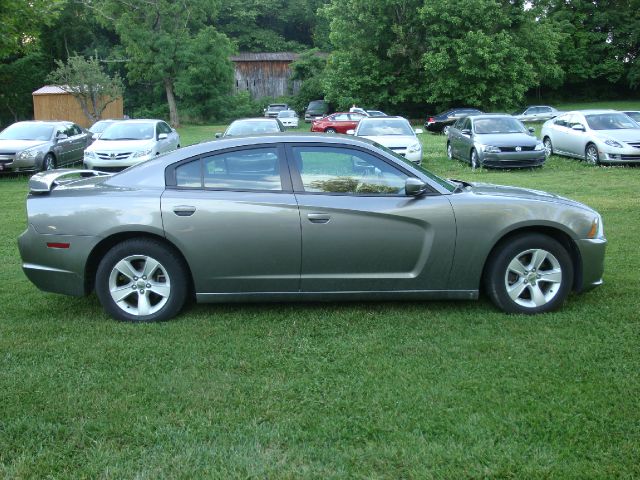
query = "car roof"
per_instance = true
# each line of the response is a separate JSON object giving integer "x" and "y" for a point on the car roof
{"x": 386, "y": 118}
{"x": 490, "y": 115}
{"x": 256, "y": 119}
{"x": 593, "y": 111}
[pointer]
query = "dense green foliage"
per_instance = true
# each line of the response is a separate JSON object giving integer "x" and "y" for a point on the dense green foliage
{"x": 422, "y": 390}
{"x": 402, "y": 56}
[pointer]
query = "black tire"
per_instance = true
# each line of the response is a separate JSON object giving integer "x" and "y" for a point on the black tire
{"x": 48, "y": 162}
{"x": 473, "y": 160}
{"x": 449, "y": 151}
{"x": 531, "y": 273}
{"x": 157, "y": 297}
{"x": 548, "y": 147}
{"x": 591, "y": 155}
{"x": 330, "y": 130}
{"x": 445, "y": 130}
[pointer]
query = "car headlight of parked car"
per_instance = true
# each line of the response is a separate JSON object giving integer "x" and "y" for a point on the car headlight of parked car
{"x": 142, "y": 153}
{"x": 539, "y": 147}
{"x": 88, "y": 154}
{"x": 28, "y": 154}
{"x": 613, "y": 143}
{"x": 490, "y": 149}
{"x": 414, "y": 148}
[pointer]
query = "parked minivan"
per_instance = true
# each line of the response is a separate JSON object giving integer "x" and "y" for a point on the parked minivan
{"x": 316, "y": 109}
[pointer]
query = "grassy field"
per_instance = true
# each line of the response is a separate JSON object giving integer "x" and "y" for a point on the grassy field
{"x": 362, "y": 390}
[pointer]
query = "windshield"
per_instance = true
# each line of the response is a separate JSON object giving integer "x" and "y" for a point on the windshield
{"x": 610, "y": 121}
{"x": 286, "y": 114}
{"x": 498, "y": 125}
{"x": 277, "y": 108}
{"x": 373, "y": 128}
{"x": 129, "y": 131}
{"x": 252, "y": 128}
{"x": 27, "y": 131}
{"x": 100, "y": 126}
{"x": 441, "y": 181}
{"x": 634, "y": 115}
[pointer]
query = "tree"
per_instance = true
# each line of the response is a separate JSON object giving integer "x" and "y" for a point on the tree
{"x": 21, "y": 21}
{"x": 20, "y": 77}
{"x": 88, "y": 83}
{"x": 309, "y": 70}
{"x": 159, "y": 38}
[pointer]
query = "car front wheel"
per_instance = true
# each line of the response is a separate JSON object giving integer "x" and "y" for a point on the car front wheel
{"x": 449, "y": 151}
{"x": 530, "y": 274}
{"x": 591, "y": 154}
{"x": 142, "y": 280}
{"x": 475, "y": 161}
{"x": 49, "y": 162}
{"x": 548, "y": 147}
{"x": 330, "y": 130}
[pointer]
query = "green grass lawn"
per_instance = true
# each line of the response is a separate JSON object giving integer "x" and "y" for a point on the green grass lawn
{"x": 355, "y": 390}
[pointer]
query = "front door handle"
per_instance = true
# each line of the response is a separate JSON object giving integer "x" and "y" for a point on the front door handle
{"x": 184, "y": 210}
{"x": 318, "y": 217}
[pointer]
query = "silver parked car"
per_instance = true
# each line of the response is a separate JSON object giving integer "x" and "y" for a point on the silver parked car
{"x": 536, "y": 113}
{"x": 41, "y": 145}
{"x": 494, "y": 141}
{"x": 597, "y": 136}
{"x": 301, "y": 217}
{"x": 130, "y": 142}
{"x": 395, "y": 133}
{"x": 252, "y": 126}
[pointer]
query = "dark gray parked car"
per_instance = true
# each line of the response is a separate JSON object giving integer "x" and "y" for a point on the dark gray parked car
{"x": 301, "y": 217}
{"x": 41, "y": 145}
{"x": 492, "y": 140}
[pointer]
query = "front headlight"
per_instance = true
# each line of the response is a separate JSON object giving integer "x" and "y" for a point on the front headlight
{"x": 88, "y": 154}
{"x": 29, "y": 154}
{"x": 491, "y": 149}
{"x": 414, "y": 148}
{"x": 142, "y": 153}
{"x": 539, "y": 147}
{"x": 613, "y": 143}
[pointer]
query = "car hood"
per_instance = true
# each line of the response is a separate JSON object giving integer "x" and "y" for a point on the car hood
{"x": 391, "y": 141}
{"x": 523, "y": 193}
{"x": 507, "y": 140}
{"x": 120, "y": 145}
{"x": 18, "y": 145}
{"x": 623, "y": 135}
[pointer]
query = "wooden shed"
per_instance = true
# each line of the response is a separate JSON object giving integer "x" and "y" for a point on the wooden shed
{"x": 265, "y": 74}
{"x": 52, "y": 102}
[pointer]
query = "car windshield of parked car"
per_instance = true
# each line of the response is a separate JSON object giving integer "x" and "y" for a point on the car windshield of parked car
{"x": 277, "y": 108}
{"x": 498, "y": 125}
{"x": 384, "y": 127}
{"x": 439, "y": 180}
{"x": 27, "y": 131}
{"x": 240, "y": 128}
{"x": 634, "y": 115}
{"x": 100, "y": 126}
{"x": 129, "y": 131}
{"x": 610, "y": 121}
{"x": 286, "y": 114}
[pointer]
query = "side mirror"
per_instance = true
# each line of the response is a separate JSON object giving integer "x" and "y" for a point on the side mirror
{"x": 419, "y": 131}
{"x": 162, "y": 136}
{"x": 531, "y": 129}
{"x": 351, "y": 131}
{"x": 578, "y": 127}
{"x": 218, "y": 134}
{"x": 61, "y": 136}
{"x": 466, "y": 131}
{"x": 414, "y": 186}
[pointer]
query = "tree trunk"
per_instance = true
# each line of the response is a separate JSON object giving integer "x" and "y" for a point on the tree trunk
{"x": 171, "y": 100}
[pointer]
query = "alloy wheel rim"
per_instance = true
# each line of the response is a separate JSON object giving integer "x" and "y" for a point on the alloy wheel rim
{"x": 533, "y": 278}
{"x": 547, "y": 148}
{"x": 449, "y": 152}
{"x": 139, "y": 285}
{"x": 592, "y": 155}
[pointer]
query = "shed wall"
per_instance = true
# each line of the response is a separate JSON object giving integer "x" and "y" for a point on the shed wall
{"x": 264, "y": 78}
{"x": 65, "y": 107}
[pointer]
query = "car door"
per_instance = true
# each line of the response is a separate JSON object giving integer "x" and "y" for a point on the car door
{"x": 576, "y": 140}
{"x": 171, "y": 142}
{"x": 234, "y": 216}
{"x": 63, "y": 145}
{"x": 77, "y": 143}
{"x": 465, "y": 140}
{"x": 560, "y": 134}
{"x": 360, "y": 231}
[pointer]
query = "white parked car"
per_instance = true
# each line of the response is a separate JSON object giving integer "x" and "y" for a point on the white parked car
{"x": 129, "y": 142}
{"x": 536, "y": 113}
{"x": 395, "y": 133}
{"x": 597, "y": 136}
{"x": 289, "y": 118}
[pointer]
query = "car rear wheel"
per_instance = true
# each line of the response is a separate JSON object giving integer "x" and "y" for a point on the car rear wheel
{"x": 49, "y": 162}
{"x": 445, "y": 130}
{"x": 475, "y": 162}
{"x": 330, "y": 130}
{"x": 548, "y": 147}
{"x": 591, "y": 154}
{"x": 530, "y": 274}
{"x": 141, "y": 280}
{"x": 449, "y": 151}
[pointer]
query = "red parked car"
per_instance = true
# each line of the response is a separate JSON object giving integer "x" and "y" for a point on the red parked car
{"x": 338, "y": 122}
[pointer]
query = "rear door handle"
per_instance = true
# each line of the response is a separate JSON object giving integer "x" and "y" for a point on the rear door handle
{"x": 184, "y": 210}
{"x": 318, "y": 217}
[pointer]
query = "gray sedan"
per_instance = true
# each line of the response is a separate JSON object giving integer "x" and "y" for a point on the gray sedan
{"x": 494, "y": 141}
{"x": 40, "y": 145}
{"x": 301, "y": 217}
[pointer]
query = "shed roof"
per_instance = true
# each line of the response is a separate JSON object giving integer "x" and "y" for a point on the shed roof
{"x": 265, "y": 57}
{"x": 50, "y": 90}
